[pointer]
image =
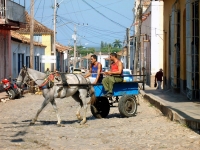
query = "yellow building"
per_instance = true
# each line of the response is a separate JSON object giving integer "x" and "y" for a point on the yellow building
{"x": 181, "y": 46}
{"x": 45, "y": 36}
{"x": 41, "y": 35}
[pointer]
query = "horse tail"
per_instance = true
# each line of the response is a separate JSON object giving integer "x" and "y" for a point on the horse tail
{"x": 92, "y": 95}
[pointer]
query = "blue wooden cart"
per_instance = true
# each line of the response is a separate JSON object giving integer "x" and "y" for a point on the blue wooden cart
{"x": 127, "y": 103}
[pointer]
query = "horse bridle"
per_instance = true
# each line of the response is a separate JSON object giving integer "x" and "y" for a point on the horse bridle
{"x": 23, "y": 74}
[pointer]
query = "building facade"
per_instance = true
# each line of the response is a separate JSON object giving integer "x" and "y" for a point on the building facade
{"x": 151, "y": 39}
{"x": 45, "y": 36}
{"x": 181, "y": 48}
{"x": 12, "y": 17}
{"x": 20, "y": 54}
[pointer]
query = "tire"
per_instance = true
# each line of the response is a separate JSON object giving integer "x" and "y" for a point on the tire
{"x": 127, "y": 106}
{"x": 101, "y": 108}
{"x": 19, "y": 95}
{"x": 11, "y": 94}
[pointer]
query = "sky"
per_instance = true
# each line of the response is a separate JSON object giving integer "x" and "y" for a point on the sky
{"x": 94, "y": 20}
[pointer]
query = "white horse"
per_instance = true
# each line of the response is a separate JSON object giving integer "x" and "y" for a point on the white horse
{"x": 57, "y": 90}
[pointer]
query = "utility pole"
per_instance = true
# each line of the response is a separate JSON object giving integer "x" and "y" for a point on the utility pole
{"x": 31, "y": 35}
{"x": 74, "y": 37}
{"x": 139, "y": 19}
{"x": 54, "y": 37}
{"x": 128, "y": 47}
{"x": 32, "y": 90}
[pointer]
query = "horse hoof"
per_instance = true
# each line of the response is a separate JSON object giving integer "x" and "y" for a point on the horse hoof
{"x": 79, "y": 117}
{"x": 82, "y": 122}
{"x": 58, "y": 125}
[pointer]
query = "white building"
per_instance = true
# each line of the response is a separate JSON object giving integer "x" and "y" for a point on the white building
{"x": 20, "y": 48}
{"x": 151, "y": 38}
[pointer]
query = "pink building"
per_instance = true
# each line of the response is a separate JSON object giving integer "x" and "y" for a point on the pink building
{"x": 12, "y": 17}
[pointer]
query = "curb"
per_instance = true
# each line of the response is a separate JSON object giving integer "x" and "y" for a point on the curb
{"x": 171, "y": 114}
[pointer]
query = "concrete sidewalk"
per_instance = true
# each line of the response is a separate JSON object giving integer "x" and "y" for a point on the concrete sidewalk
{"x": 175, "y": 106}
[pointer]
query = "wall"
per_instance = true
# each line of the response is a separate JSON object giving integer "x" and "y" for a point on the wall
{"x": 146, "y": 46}
{"x": 22, "y": 48}
{"x": 156, "y": 36}
{"x": 101, "y": 59}
{"x": 47, "y": 41}
{"x": 166, "y": 74}
{"x": 167, "y": 12}
{"x": 152, "y": 41}
{"x": 5, "y": 54}
{"x": 5, "y": 61}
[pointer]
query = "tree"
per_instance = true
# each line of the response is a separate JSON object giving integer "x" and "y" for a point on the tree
{"x": 117, "y": 43}
{"x": 102, "y": 44}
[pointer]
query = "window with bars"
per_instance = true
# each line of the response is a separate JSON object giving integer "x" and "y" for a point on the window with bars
{"x": 192, "y": 48}
{"x": 174, "y": 50}
{"x": 37, "y": 63}
{"x": 28, "y": 61}
{"x": 20, "y": 61}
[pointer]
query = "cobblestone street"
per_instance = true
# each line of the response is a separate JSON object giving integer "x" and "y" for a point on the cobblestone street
{"x": 148, "y": 130}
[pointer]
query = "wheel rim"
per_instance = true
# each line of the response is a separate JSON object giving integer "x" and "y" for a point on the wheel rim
{"x": 130, "y": 106}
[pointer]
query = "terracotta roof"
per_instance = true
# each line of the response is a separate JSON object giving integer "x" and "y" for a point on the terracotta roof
{"x": 62, "y": 48}
{"x": 24, "y": 39}
{"x": 38, "y": 27}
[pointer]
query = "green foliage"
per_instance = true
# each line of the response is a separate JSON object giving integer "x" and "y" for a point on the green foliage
{"x": 108, "y": 47}
{"x": 104, "y": 47}
{"x": 117, "y": 43}
{"x": 83, "y": 51}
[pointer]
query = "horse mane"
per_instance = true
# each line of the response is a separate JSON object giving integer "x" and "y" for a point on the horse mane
{"x": 37, "y": 76}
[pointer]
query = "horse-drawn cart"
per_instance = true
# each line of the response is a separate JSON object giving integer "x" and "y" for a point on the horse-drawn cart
{"x": 124, "y": 93}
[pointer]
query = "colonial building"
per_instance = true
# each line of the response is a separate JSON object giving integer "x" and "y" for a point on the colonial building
{"x": 12, "y": 17}
{"x": 20, "y": 54}
{"x": 45, "y": 36}
{"x": 181, "y": 48}
{"x": 151, "y": 39}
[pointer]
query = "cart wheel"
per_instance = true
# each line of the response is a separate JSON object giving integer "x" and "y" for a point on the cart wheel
{"x": 127, "y": 106}
{"x": 101, "y": 108}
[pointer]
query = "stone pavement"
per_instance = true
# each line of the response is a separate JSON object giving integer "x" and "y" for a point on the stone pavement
{"x": 175, "y": 106}
{"x": 148, "y": 130}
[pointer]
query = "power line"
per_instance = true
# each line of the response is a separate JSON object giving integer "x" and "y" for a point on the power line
{"x": 43, "y": 11}
{"x": 90, "y": 9}
{"x": 103, "y": 14}
{"x": 73, "y": 9}
{"x": 112, "y": 10}
{"x": 96, "y": 34}
{"x": 80, "y": 11}
{"x": 37, "y": 8}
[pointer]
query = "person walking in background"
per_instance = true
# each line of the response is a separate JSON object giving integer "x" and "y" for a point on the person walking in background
{"x": 158, "y": 78}
{"x": 94, "y": 73}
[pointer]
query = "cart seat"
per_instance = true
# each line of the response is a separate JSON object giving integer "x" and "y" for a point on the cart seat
{"x": 119, "y": 89}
